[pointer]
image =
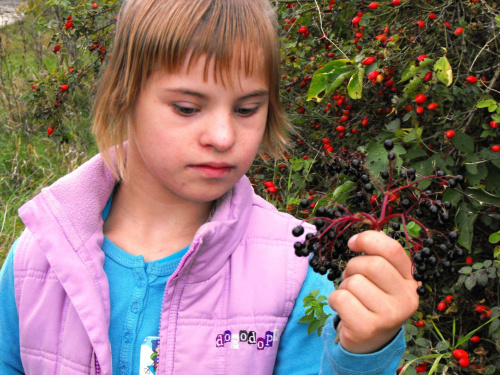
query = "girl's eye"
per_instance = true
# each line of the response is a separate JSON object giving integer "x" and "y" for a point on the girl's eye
{"x": 186, "y": 111}
{"x": 247, "y": 111}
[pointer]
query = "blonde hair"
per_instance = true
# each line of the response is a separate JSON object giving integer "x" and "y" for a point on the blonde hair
{"x": 164, "y": 33}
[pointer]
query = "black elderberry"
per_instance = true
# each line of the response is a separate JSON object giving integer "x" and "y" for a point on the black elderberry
{"x": 460, "y": 178}
{"x": 355, "y": 163}
{"x": 298, "y": 231}
{"x": 428, "y": 192}
{"x": 309, "y": 236}
{"x": 388, "y": 144}
{"x": 429, "y": 242}
{"x": 403, "y": 174}
{"x": 433, "y": 209}
{"x": 304, "y": 203}
{"x": 426, "y": 252}
{"x": 417, "y": 258}
{"x": 446, "y": 265}
{"x": 453, "y": 236}
{"x": 422, "y": 291}
{"x": 368, "y": 188}
{"x": 417, "y": 276}
{"x": 405, "y": 203}
{"x": 313, "y": 262}
{"x": 411, "y": 171}
{"x": 436, "y": 275}
{"x": 459, "y": 253}
{"x": 318, "y": 223}
{"x": 440, "y": 173}
{"x": 331, "y": 235}
{"x": 452, "y": 183}
{"x": 421, "y": 268}
{"x": 331, "y": 276}
{"x": 432, "y": 261}
{"x": 321, "y": 211}
{"x": 298, "y": 245}
{"x": 443, "y": 247}
{"x": 365, "y": 178}
{"x": 419, "y": 213}
{"x": 330, "y": 213}
{"x": 396, "y": 226}
{"x": 391, "y": 155}
{"x": 305, "y": 252}
{"x": 384, "y": 175}
{"x": 450, "y": 255}
{"x": 445, "y": 216}
{"x": 447, "y": 205}
{"x": 322, "y": 270}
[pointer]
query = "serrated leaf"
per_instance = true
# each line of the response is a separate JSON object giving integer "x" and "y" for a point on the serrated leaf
{"x": 470, "y": 282}
{"x": 443, "y": 71}
{"x": 313, "y": 326}
{"x": 355, "y": 85}
{"x": 482, "y": 277}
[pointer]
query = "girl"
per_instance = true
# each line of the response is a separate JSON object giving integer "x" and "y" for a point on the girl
{"x": 156, "y": 256}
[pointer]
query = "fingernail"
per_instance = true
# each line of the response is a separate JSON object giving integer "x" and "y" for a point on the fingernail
{"x": 351, "y": 240}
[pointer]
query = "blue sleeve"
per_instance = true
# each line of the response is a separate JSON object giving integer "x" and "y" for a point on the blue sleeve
{"x": 303, "y": 354}
{"x": 10, "y": 358}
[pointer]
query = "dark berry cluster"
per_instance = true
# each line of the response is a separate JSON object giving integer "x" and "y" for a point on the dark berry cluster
{"x": 393, "y": 202}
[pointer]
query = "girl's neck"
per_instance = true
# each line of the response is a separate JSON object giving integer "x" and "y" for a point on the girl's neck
{"x": 143, "y": 224}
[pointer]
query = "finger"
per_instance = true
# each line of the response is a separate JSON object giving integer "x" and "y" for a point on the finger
{"x": 378, "y": 270}
{"x": 369, "y": 294}
{"x": 344, "y": 303}
{"x": 378, "y": 243}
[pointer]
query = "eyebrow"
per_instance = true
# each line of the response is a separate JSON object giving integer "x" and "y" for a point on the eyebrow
{"x": 254, "y": 94}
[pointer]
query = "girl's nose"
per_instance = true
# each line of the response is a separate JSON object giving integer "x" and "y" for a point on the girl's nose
{"x": 219, "y": 132}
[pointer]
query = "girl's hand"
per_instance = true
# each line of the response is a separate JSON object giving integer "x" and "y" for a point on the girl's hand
{"x": 378, "y": 293}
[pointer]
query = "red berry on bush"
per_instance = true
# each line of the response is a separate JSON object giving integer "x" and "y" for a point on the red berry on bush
{"x": 432, "y": 106}
{"x": 373, "y": 75}
{"x": 495, "y": 148}
{"x": 64, "y": 87}
{"x": 464, "y": 362}
{"x": 420, "y": 24}
{"x": 419, "y": 324}
{"x": 420, "y": 109}
{"x": 447, "y": 24}
{"x": 368, "y": 61}
{"x": 395, "y": 2}
{"x": 373, "y": 5}
{"x": 459, "y": 353}
{"x": 469, "y": 260}
{"x": 356, "y": 20}
{"x": 420, "y": 98}
{"x": 302, "y": 29}
{"x": 432, "y": 16}
{"x": 459, "y": 31}
{"x": 450, "y": 134}
{"x": 493, "y": 124}
{"x": 471, "y": 79}
{"x": 34, "y": 86}
{"x": 50, "y": 131}
{"x": 95, "y": 6}
{"x": 57, "y": 47}
{"x": 428, "y": 76}
{"x": 475, "y": 339}
{"x": 448, "y": 298}
{"x": 68, "y": 25}
{"x": 441, "y": 306}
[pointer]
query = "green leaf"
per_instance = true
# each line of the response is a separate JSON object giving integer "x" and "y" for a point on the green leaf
{"x": 465, "y": 221}
{"x": 494, "y": 237}
{"x": 482, "y": 277}
{"x": 307, "y": 319}
{"x": 313, "y": 326}
{"x": 470, "y": 282}
{"x": 442, "y": 346}
{"x": 443, "y": 71}
{"x": 420, "y": 341}
{"x": 465, "y": 270}
{"x": 355, "y": 86}
{"x": 483, "y": 196}
{"x": 485, "y": 103}
{"x": 435, "y": 365}
{"x": 409, "y": 72}
{"x": 393, "y": 125}
{"x": 453, "y": 196}
{"x": 328, "y": 78}
{"x": 343, "y": 192}
{"x": 463, "y": 142}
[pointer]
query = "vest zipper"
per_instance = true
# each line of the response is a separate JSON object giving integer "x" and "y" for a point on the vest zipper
{"x": 179, "y": 267}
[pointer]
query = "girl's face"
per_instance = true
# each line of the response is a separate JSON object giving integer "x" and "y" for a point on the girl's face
{"x": 190, "y": 139}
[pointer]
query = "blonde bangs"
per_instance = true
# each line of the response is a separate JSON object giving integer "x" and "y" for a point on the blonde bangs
{"x": 237, "y": 35}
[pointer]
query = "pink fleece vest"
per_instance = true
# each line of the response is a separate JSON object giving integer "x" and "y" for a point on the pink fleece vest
{"x": 224, "y": 308}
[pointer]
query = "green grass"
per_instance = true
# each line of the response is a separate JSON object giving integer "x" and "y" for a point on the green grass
{"x": 29, "y": 160}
